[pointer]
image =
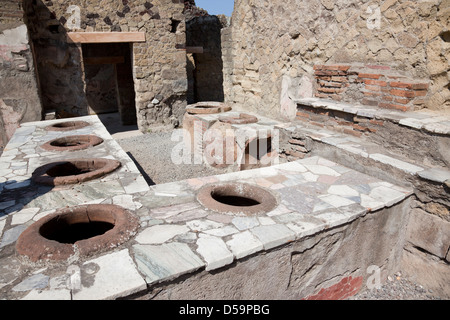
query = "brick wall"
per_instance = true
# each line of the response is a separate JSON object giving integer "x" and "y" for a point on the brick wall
{"x": 269, "y": 44}
{"x": 373, "y": 86}
{"x": 205, "y": 32}
{"x": 332, "y": 81}
{"x": 295, "y": 148}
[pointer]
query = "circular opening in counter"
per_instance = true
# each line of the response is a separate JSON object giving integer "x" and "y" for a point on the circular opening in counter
{"x": 233, "y": 200}
{"x": 83, "y": 230}
{"x": 207, "y": 107}
{"x": 72, "y": 143}
{"x": 237, "y": 199}
{"x": 73, "y": 171}
{"x": 67, "y": 126}
{"x": 242, "y": 118}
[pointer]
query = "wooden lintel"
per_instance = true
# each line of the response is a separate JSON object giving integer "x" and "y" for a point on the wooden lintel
{"x": 194, "y": 49}
{"x": 104, "y": 60}
{"x": 105, "y": 37}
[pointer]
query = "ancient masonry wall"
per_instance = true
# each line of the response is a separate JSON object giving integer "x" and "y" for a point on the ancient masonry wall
{"x": 159, "y": 63}
{"x": 389, "y": 54}
{"x": 206, "y": 76}
{"x": 329, "y": 265}
{"x": 398, "y": 50}
{"x": 20, "y": 101}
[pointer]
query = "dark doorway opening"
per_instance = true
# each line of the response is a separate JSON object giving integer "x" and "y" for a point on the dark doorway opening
{"x": 205, "y": 69}
{"x": 109, "y": 80}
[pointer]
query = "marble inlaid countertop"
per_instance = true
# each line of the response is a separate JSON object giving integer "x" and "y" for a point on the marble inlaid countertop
{"x": 177, "y": 235}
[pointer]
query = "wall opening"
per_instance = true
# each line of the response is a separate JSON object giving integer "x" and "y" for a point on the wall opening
{"x": 73, "y": 171}
{"x": 109, "y": 80}
{"x": 72, "y": 143}
{"x": 445, "y": 35}
{"x": 205, "y": 69}
{"x": 232, "y": 200}
{"x": 174, "y": 25}
{"x": 86, "y": 229}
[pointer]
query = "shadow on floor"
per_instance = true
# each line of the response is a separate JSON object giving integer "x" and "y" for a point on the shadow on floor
{"x": 149, "y": 180}
{"x": 113, "y": 124}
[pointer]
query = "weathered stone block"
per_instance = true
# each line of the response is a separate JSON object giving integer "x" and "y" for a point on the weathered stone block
{"x": 427, "y": 271}
{"x": 429, "y": 232}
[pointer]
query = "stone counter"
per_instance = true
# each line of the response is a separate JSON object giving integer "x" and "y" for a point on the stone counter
{"x": 329, "y": 219}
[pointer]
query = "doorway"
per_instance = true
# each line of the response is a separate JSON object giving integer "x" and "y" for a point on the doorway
{"x": 109, "y": 80}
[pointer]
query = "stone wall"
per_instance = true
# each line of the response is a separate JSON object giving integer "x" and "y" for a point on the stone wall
{"x": 159, "y": 63}
{"x": 278, "y": 46}
{"x": 426, "y": 256}
{"x": 19, "y": 98}
{"x": 226, "y": 39}
{"x": 207, "y": 75}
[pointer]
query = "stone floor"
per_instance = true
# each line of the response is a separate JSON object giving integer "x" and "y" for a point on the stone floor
{"x": 177, "y": 235}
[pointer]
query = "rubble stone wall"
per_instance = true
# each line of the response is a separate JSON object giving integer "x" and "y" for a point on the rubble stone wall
{"x": 19, "y": 98}
{"x": 159, "y": 63}
{"x": 278, "y": 46}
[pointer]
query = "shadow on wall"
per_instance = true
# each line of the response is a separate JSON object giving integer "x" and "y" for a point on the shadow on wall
{"x": 58, "y": 62}
{"x": 205, "y": 70}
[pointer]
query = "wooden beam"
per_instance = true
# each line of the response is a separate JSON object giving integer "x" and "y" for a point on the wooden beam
{"x": 194, "y": 49}
{"x": 105, "y": 37}
{"x": 104, "y": 60}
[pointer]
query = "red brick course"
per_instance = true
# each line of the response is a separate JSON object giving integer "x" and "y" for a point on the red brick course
{"x": 369, "y": 76}
{"x": 402, "y": 93}
{"x": 376, "y": 82}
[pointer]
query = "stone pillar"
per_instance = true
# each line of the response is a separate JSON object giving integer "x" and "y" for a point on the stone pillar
{"x": 20, "y": 101}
